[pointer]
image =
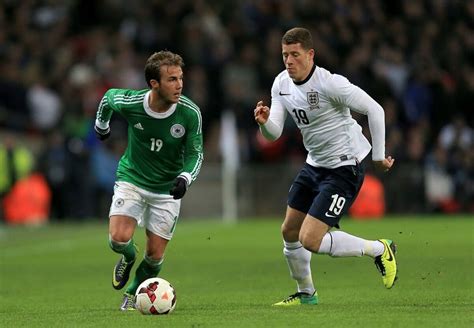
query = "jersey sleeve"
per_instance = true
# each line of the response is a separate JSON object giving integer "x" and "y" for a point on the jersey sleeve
{"x": 105, "y": 109}
{"x": 273, "y": 128}
{"x": 353, "y": 97}
{"x": 193, "y": 152}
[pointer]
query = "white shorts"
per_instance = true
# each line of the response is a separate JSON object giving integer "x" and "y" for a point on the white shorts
{"x": 158, "y": 213}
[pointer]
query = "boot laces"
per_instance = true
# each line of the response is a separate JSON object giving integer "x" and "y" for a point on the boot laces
{"x": 379, "y": 264}
{"x": 292, "y": 297}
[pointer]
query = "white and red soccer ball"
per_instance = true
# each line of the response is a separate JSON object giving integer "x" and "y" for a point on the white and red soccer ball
{"x": 155, "y": 296}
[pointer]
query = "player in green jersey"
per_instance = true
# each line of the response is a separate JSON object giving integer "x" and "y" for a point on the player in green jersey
{"x": 163, "y": 157}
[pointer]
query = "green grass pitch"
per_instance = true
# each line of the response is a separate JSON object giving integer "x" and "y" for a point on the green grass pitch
{"x": 229, "y": 275}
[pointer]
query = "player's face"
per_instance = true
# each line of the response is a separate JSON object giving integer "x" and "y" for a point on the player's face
{"x": 170, "y": 85}
{"x": 298, "y": 61}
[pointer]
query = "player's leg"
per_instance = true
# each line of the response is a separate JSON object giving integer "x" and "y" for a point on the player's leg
{"x": 161, "y": 219}
{"x": 342, "y": 244}
{"x": 126, "y": 211}
{"x": 297, "y": 257}
{"x": 315, "y": 237}
{"x": 337, "y": 192}
{"x": 150, "y": 266}
{"x": 121, "y": 229}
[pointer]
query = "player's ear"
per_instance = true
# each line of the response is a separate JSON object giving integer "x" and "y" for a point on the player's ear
{"x": 154, "y": 83}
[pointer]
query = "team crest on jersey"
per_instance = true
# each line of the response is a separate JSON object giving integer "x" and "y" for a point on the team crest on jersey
{"x": 177, "y": 130}
{"x": 313, "y": 99}
{"x": 119, "y": 202}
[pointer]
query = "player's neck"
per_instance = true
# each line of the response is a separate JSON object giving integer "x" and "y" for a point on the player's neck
{"x": 157, "y": 104}
{"x": 307, "y": 75}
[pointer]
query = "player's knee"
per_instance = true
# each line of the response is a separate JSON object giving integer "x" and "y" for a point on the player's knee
{"x": 289, "y": 232}
{"x": 306, "y": 242}
{"x": 155, "y": 254}
{"x": 121, "y": 228}
{"x": 120, "y": 236}
{"x": 155, "y": 251}
{"x": 118, "y": 245}
{"x": 309, "y": 242}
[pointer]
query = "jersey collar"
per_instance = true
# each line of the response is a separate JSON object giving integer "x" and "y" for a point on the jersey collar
{"x": 154, "y": 114}
{"x": 307, "y": 78}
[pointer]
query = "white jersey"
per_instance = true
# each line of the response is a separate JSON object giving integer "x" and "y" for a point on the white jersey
{"x": 320, "y": 107}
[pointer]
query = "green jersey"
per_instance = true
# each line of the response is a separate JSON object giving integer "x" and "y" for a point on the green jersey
{"x": 161, "y": 146}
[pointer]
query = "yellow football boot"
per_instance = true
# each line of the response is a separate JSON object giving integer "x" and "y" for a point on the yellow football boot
{"x": 386, "y": 263}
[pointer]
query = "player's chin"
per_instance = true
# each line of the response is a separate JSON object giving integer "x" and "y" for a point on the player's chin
{"x": 175, "y": 97}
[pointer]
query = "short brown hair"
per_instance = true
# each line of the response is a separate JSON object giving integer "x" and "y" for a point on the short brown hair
{"x": 159, "y": 59}
{"x": 298, "y": 35}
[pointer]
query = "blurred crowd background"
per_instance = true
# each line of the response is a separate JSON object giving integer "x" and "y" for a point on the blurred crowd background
{"x": 58, "y": 57}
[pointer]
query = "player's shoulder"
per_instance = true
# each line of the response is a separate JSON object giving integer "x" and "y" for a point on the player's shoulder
{"x": 124, "y": 99}
{"x": 329, "y": 78}
{"x": 188, "y": 104}
{"x": 331, "y": 83}
{"x": 126, "y": 93}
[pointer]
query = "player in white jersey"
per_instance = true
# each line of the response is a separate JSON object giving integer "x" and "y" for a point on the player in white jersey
{"x": 320, "y": 102}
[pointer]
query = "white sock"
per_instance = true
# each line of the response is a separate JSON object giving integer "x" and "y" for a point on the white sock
{"x": 342, "y": 244}
{"x": 298, "y": 259}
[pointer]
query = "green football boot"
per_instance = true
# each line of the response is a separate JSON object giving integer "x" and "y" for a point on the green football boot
{"x": 299, "y": 299}
{"x": 386, "y": 263}
{"x": 121, "y": 272}
{"x": 128, "y": 303}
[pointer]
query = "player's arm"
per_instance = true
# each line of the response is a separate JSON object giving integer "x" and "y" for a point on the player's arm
{"x": 358, "y": 100}
{"x": 271, "y": 121}
{"x": 193, "y": 156}
{"x": 104, "y": 114}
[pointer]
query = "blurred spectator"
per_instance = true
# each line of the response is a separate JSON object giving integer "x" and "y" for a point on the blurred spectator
{"x": 16, "y": 162}
{"x": 456, "y": 135}
{"x": 418, "y": 98}
{"x": 45, "y": 107}
{"x": 408, "y": 175}
{"x": 391, "y": 66}
{"x": 104, "y": 161}
{"x": 54, "y": 162}
{"x": 439, "y": 184}
{"x": 456, "y": 141}
{"x": 393, "y": 129}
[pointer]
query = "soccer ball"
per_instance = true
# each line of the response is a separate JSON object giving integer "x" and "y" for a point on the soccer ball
{"x": 155, "y": 296}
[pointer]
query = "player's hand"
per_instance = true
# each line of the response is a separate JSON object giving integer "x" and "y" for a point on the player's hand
{"x": 102, "y": 134}
{"x": 384, "y": 165}
{"x": 261, "y": 113}
{"x": 179, "y": 188}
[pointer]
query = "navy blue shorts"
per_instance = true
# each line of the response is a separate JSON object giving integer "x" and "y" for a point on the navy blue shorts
{"x": 326, "y": 194}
